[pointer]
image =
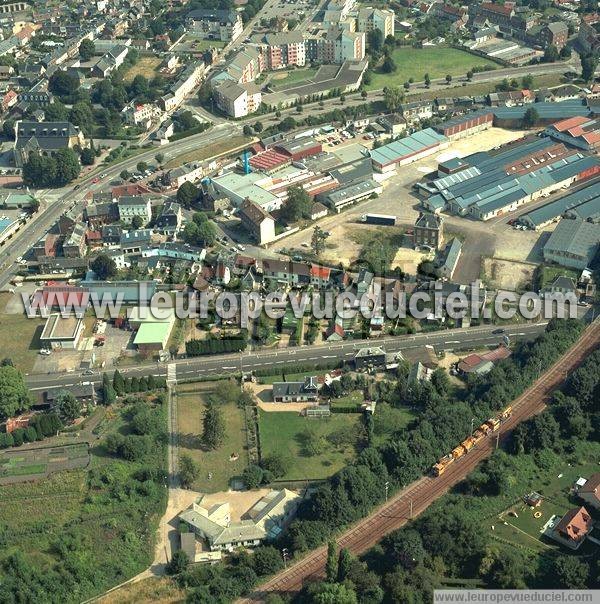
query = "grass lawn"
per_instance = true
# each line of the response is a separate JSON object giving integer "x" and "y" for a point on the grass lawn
{"x": 212, "y": 150}
{"x": 190, "y": 411}
{"x": 388, "y": 419}
{"x": 549, "y": 273}
{"x": 283, "y": 433}
{"x": 283, "y": 79}
{"x": 146, "y": 66}
{"x": 23, "y": 350}
{"x": 416, "y": 62}
{"x": 162, "y": 590}
{"x": 199, "y": 44}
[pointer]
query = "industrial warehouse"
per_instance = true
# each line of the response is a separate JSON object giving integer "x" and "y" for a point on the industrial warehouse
{"x": 487, "y": 185}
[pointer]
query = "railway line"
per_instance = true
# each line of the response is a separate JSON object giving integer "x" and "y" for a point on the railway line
{"x": 416, "y": 497}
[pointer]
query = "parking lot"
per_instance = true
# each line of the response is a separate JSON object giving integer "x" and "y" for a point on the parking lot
{"x": 287, "y": 9}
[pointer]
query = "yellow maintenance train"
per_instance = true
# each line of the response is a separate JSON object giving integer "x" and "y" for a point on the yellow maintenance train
{"x": 491, "y": 425}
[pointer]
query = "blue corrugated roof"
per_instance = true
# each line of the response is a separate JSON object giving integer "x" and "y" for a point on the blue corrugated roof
{"x": 560, "y": 110}
{"x": 409, "y": 145}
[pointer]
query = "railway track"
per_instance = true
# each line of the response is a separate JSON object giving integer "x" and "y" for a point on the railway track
{"x": 416, "y": 497}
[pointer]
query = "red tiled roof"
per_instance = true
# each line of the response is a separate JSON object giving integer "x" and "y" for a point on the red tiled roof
{"x": 575, "y": 524}
{"x": 322, "y": 272}
{"x": 497, "y": 8}
{"x": 571, "y": 122}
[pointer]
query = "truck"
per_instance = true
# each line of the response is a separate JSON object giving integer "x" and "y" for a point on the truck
{"x": 384, "y": 219}
{"x": 440, "y": 467}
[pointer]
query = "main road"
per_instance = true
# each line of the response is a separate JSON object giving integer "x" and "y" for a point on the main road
{"x": 208, "y": 367}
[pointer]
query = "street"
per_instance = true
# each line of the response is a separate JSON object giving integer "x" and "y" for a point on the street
{"x": 325, "y": 354}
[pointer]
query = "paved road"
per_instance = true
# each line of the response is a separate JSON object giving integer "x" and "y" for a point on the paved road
{"x": 212, "y": 366}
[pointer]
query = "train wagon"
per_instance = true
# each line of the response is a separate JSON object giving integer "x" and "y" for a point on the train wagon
{"x": 506, "y": 414}
{"x": 457, "y": 452}
{"x": 493, "y": 423}
{"x": 468, "y": 444}
{"x": 440, "y": 467}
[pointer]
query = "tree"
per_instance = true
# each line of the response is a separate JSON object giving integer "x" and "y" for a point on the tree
{"x": 527, "y": 82}
{"x": 469, "y": 75}
{"x": 258, "y": 127}
{"x": 551, "y": 54}
{"x": 188, "y": 471}
{"x": 62, "y": 83}
{"x": 118, "y": 383}
{"x": 213, "y": 427}
{"x": 427, "y": 80}
{"x": 87, "y": 49}
{"x": 67, "y": 167}
{"x": 331, "y": 566}
{"x": 298, "y": 204}
{"x": 247, "y": 130}
{"x": 252, "y": 476}
{"x": 108, "y": 392}
{"x": 566, "y": 52}
{"x": 374, "y": 40}
{"x": 531, "y": 118}
{"x": 88, "y": 157}
{"x": 571, "y": 572}
{"x": 318, "y": 239}
{"x": 137, "y": 222}
{"x": 8, "y": 128}
{"x": 142, "y": 166}
{"x": 124, "y": 174}
{"x": 104, "y": 267}
{"x": 178, "y": 563}
{"x": 187, "y": 194}
{"x": 334, "y": 593}
{"x": 276, "y": 463}
{"x": 389, "y": 65}
{"x": 508, "y": 570}
{"x": 14, "y": 395}
{"x": 67, "y": 406}
{"x": 448, "y": 79}
{"x": 160, "y": 158}
{"x": 344, "y": 564}
{"x": 266, "y": 560}
{"x": 393, "y": 97}
{"x": 589, "y": 64}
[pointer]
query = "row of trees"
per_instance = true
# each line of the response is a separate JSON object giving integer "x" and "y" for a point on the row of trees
{"x": 51, "y": 170}
{"x": 195, "y": 348}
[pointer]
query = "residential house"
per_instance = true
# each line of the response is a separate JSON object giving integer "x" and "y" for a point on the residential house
{"x": 590, "y": 491}
{"x": 305, "y": 391}
{"x": 170, "y": 219}
{"x": 131, "y": 206}
{"x": 573, "y": 528}
{"x": 74, "y": 245}
{"x": 257, "y": 221}
{"x": 428, "y": 231}
{"x": 211, "y": 24}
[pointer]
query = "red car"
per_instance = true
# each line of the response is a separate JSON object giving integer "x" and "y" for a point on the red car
{"x": 96, "y": 180}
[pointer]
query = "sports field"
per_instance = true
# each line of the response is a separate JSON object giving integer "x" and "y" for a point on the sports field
{"x": 416, "y": 62}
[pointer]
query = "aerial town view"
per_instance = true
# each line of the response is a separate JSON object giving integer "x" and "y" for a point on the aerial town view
{"x": 299, "y": 301}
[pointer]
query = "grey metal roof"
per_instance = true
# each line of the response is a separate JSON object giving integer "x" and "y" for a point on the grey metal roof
{"x": 574, "y": 237}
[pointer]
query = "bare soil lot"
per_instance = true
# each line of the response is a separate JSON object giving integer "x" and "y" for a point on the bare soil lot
{"x": 508, "y": 274}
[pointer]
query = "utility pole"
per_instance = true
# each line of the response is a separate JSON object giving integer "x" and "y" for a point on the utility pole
{"x": 498, "y": 439}
{"x": 387, "y": 486}
{"x": 284, "y": 554}
{"x": 411, "y": 509}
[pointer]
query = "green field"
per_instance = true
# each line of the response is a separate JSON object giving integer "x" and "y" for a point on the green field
{"x": 198, "y": 44}
{"x": 284, "y": 433}
{"x": 23, "y": 350}
{"x": 284, "y": 79}
{"x": 97, "y": 523}
{"x": 416, "y": 62}
{"x": 190, "y": 411}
